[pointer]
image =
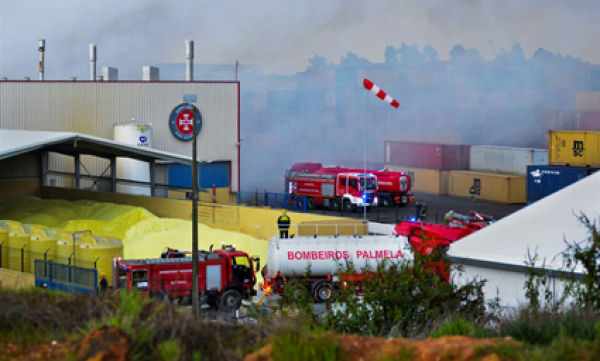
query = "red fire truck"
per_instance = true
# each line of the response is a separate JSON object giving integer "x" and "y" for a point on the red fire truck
{"x": 225, "y": 277}
{"x": 345, "y": 190}
{"x": 393, "y": 188}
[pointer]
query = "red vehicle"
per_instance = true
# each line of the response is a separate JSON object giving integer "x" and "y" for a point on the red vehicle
{"x": 426, "y": 237}
{"x": 393, "y": 188}
{"x": 226, "y": 276}
{"x": 473, "y": 220}
{"x": 347, "y": 191}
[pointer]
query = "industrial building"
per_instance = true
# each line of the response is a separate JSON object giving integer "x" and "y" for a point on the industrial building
{"x": 148, "y": 113}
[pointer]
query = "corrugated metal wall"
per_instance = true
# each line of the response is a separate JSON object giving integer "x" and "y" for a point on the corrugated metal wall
{"x": 21, "y": 166}
{"x": 209, "y": 174}
{"x": 95, "y": 107}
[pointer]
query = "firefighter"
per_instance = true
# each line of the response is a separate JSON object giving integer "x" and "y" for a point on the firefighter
{"x": 421, "y": 211}
{"x": 283, "y": 223}
{"x": 472, "y": 193}
{"x": 103, "y": 283}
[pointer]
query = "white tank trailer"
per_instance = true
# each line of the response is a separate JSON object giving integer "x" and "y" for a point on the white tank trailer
{"x": 292, "y": 257}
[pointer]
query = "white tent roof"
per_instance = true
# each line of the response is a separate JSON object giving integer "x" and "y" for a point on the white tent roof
{"x": 541, "y": 227}
{"x": 16, "y": 142}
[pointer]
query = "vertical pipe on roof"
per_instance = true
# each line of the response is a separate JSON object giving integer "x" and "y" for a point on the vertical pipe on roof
{"x": 189, "y": 60}
{"x": 93, "y": 62}
{"x": 41, "y": 49}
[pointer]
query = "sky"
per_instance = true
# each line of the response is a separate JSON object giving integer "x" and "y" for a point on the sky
{"x": 279, "y": 36}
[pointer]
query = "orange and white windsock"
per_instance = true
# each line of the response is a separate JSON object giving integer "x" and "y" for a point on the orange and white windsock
{"x": 380, "y": 93}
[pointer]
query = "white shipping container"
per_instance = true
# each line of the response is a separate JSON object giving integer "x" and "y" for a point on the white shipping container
{"x": 493, "y": 159}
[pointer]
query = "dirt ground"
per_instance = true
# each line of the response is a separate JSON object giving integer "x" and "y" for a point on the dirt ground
{"x": 455, "y": 348}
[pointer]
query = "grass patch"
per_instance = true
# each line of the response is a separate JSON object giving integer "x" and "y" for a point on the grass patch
{"x": 295, "y": 345}
{"x": 457, "y": 327}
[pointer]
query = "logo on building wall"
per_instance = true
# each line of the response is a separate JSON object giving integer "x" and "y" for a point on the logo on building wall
{"x": 181, "y": 121}
{"x": 143, "y": 141}
{"x": 578, "y": 148}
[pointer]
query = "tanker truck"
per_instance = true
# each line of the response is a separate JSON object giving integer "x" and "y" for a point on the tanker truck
{"x": 291, "y": 258}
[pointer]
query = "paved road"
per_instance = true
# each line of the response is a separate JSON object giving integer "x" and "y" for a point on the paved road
{"x": 438, "y": 206}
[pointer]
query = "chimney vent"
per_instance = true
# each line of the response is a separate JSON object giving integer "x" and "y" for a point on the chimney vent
{"x": 93, "y": 59}
{"x": 189, "y": 60}
{"x": 150, "y": 73}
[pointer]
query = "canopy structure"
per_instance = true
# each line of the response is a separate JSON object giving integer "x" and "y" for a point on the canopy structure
{"x": 14, "y": 143}
{"x": 498, "y": 253}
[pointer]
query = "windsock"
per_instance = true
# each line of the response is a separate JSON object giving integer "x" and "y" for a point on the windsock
{"x": 380, "y": 93}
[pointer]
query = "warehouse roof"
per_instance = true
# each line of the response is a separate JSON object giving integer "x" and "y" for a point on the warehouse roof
{"x": 541, "y": 228}
{"x": 16, "y": 142}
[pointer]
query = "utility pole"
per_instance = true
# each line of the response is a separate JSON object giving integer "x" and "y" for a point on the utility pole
{"x": 191, "y": 98}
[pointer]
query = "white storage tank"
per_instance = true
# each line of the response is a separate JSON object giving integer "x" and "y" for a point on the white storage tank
{"x": 494, "y": 159}
{"x": 325, "y": 255}
{"x": 138, "y": 134}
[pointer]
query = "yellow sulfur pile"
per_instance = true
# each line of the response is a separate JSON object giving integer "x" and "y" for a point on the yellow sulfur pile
{"x": 143, "y": 234}
{"x": 147, "y": 239}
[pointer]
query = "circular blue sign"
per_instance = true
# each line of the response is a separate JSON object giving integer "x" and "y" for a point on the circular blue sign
{"x": 181, "y": 121}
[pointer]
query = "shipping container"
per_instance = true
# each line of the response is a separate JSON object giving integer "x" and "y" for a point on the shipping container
{"x": 543, "y": 180}
{"x": 587, "y": 122}
{"x": 574, "y": 148}
{"x": 431, "y": 136}
{"x": 494, "y": 159}
{"x": 427, "y": 155}
{"x": 558, "y": 119}
{"x": 217, "y": 173}
{"x": 430, "y": 181}
{"x": 587, "y": 101}
{"x": 492, "y": 187}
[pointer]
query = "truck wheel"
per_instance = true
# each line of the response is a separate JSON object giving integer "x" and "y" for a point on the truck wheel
{"x": 231, "y": 300}
{"x": 386, "y": 202}
{"x": 311, "y": 203}
{"x": 347, "y": 206}
{"x": 300, "y": 203}
{"x": 334, "y": 205}
{"x": 323, "y": 292}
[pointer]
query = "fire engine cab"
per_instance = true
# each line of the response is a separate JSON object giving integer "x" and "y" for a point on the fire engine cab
{"x": 225, "y": 277}
{"x": 347, "y": 190}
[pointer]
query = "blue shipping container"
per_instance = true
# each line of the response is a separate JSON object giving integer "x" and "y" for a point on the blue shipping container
{"x": 543, "y": 180}
{"x": 216, "y": 173}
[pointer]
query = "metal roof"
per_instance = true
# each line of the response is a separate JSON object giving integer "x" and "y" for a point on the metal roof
{"x": 16, "y": 142}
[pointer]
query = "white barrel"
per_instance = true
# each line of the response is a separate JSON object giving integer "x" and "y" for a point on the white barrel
{"x": 324, "y": 255}
{"x": 138, "y": 134}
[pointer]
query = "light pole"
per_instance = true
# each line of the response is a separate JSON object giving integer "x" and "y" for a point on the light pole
{"x": 195, "y": 298}
{"x": 365, "y": 167}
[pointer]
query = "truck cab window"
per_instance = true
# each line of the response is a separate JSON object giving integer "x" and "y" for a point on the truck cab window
{"x": 353, "y": 183}
{"x": 371, "y": 183}
{"x": 122, "y": 279}
{"x": 241, "y": 269}
{"x": 139, "y": 279}
{"x": 343, "y": 181}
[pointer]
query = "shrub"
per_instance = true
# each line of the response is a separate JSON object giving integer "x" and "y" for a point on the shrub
{"x": 403, "y": 298}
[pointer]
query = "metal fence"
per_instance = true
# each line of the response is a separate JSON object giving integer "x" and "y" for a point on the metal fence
{"x": 63, "y": 277}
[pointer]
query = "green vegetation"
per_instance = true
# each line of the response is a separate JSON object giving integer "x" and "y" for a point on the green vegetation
{"x": 404, "y": 299}
{"x": 296, "y": 345}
